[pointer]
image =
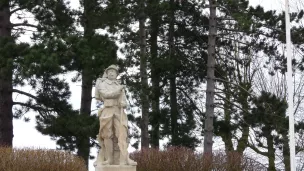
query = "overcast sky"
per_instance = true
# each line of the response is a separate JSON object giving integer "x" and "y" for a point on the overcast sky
{"x": 25, "y": 134}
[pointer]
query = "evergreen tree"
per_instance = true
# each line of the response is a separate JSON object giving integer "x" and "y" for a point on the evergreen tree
{"x": 89, "y": 53}
{"x": 208, "y": 137}
{"x": 6, "y": 74}
{"x": 144, "y": 77}
{"x": 182, "y": 71}
{"x": 238, "y": 69}
{"x": 19, "y": 61}
{"x": 184, "y": 62}
{"x": 242, "y": 37}
{"x": 152, "y": 11}
{"x": 269, "y": 114}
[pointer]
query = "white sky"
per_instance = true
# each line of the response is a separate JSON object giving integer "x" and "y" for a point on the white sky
{"x": 25, "y": 134}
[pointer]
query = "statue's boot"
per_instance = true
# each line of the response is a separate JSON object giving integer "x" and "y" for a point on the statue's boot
{"x": 125, "y": 160}
{"x": 109, "y": 152}
{"x": 123, "y": 157}
{"x": 123, "y": 151}
{"x": 101, "y": 153}
{"x": 100, "y": 157}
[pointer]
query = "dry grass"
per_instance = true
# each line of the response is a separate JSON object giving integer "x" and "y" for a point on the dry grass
{"x": 39, "y": 160}
{"x": 183, "y": 159}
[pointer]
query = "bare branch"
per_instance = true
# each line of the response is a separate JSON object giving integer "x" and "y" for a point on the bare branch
{"x": 42, "y": 111}
{"x": 185, "y": 93}
{"x": 24, "y": 24}
{"x": 24, "y": 93}
{"x": 232, "y": 30}
{"x": 236, "y": 85}
{"x": 227, "y": 19}
{"x": 34, "y": 107}
{"x": 257, "y": 150}
{"x": 17, "y": 9}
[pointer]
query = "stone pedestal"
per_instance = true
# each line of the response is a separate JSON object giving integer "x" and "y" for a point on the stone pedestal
{"x": 115, "y": 168}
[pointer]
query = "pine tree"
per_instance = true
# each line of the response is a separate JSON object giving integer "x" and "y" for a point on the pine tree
{"x": 6, "y": 114}
{"x": 88, "y": 53}
{"x": 208, "y": 137}
{"x": 242, "y": 36}
{"x": 153, "y": 13}
{"x": 172, "y": 74}
{"x": 15, "y": 58}
{"x": 144, "y": 78}
{"x": 237, "y": 71}
{"x": 186, "y": 57}
{"x": 181, "y": 71}
{"x": 269, "y": 115}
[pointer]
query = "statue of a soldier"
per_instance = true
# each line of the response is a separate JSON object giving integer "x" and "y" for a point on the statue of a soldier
{"x": 113, "y": 120}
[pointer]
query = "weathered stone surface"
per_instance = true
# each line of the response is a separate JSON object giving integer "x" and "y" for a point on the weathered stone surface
{"x": 115, "y": 168}
{"x": 113, "y": 131}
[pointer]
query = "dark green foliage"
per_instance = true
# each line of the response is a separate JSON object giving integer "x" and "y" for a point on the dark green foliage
{"x": 89, "y": 55}
{"x": 188, "y": 61}
{"x": 176, "y": 55}
{"x": 269, "y": 111}
{"x": 187, "y": 66}
{"x": 96, "y": 53}
{"x": 69, "y": 128}
{"x": 269, "y": 115}
{"x": 22, "y": 64}
{"x": 247, "y": 35}
{"x": 57, "y": 49}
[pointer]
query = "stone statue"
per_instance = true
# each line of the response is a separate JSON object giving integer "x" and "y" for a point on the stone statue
{"x": 113, "y": 120}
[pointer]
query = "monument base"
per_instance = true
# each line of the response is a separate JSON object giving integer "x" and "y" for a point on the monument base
{"x": 115, "y": 168}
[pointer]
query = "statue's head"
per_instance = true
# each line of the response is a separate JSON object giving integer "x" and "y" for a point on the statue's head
{"x": 112, "y": 72}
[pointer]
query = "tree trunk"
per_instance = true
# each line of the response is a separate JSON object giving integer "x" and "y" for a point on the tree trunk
{"x": 286, "y": 153}
{"x": 83, "y": 144}
{"x": 155, "y": 77}
{"x": 243, "y": 100}
{"x": 172, "y": 77}
{"x": 6, "y": 68}
{"x": 227, "y": 137}
{"x": 144, "y": 78}
{"x": 243, "y": 141}
{"x": 271, "y": 152}
{"x": 208, "y": 137}
{"x": 174, "y": 111}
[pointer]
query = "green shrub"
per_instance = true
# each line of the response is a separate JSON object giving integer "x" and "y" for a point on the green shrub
{"x": 39, "y": 160}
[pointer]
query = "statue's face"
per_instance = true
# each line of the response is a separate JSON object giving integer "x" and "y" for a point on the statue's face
{"x": 112, "y": 74}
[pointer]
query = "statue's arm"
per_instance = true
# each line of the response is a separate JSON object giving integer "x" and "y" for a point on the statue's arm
{"x": 109, "y": 94}
{"x": 123, "y": 100}
{"x": 97, "y": 94}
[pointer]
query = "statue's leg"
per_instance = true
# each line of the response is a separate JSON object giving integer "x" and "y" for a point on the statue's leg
{"x": 102, "y": 149}
{"x": 108, "y": 143}
{"x": 109, "y": 151}
{"x": 101, "y": 153}
{"x": 122, "y": 143}
{"x": 123, "y": 146}
{"x": 130, "y": 161}
{"x": 122, "y": 133}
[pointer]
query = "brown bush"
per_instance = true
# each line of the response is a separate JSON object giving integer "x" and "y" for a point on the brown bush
{"x": 39, "y": 160}
{"x": 183, "y": 159}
